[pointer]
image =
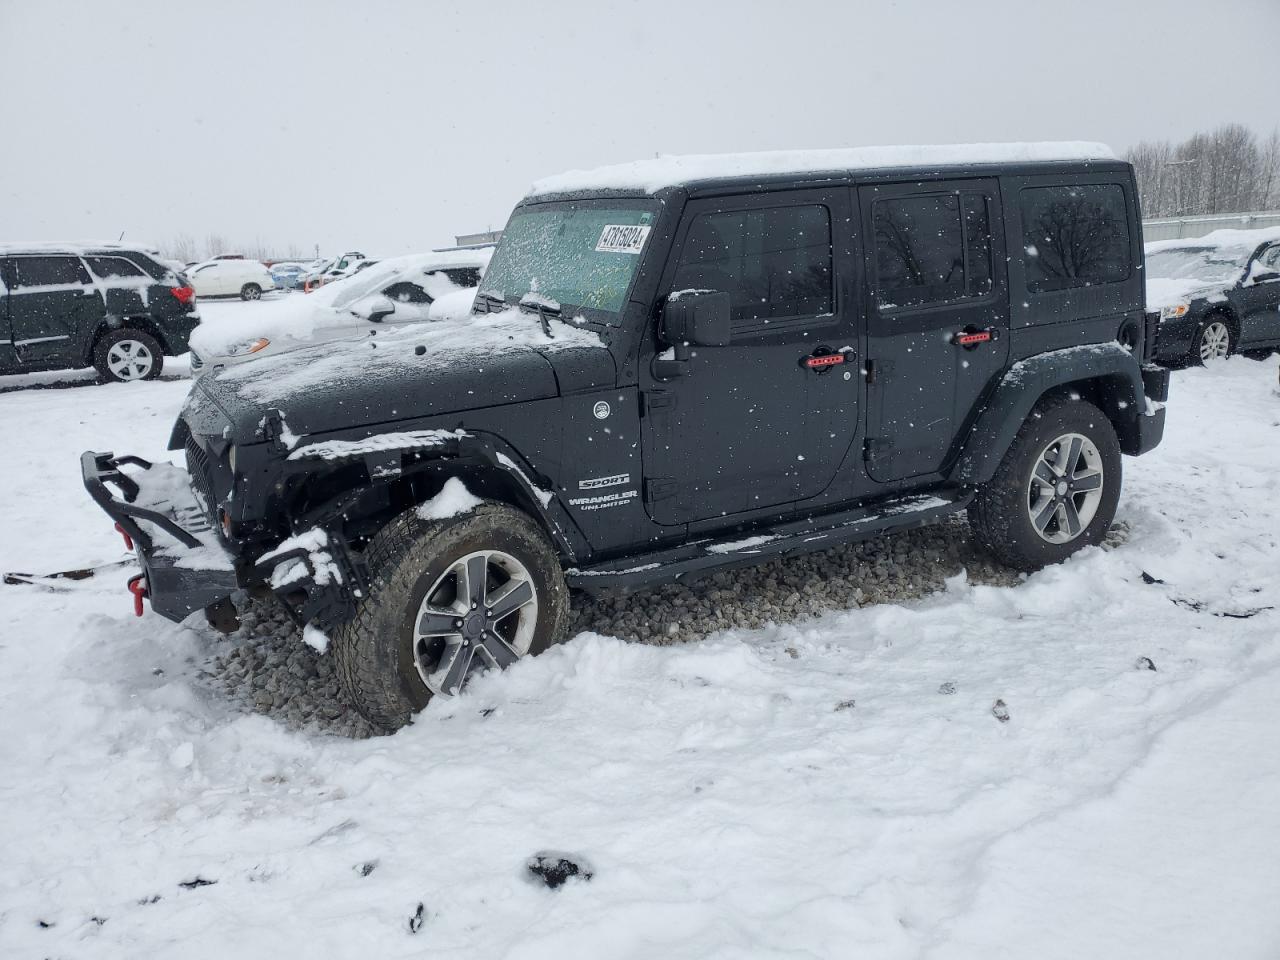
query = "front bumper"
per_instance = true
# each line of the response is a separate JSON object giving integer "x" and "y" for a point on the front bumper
{"x": 1174, "y": 339}
{"x": 184, "y": 568}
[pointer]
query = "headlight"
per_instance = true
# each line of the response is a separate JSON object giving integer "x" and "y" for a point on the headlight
{"x": 1177, "y": 310}
{"x": 248, "y": 346}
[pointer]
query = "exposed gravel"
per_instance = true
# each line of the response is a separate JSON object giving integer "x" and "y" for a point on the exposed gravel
{"x": 264, "y": 667}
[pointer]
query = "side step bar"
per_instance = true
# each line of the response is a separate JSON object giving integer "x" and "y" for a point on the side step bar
{"x": 757, "y": 545}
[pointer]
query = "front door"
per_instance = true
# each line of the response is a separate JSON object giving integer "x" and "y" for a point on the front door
{"x": 749, "y": 426}
{"x": 51, "y": 302}
{"x": 1259, "y": 300}
{"x": 937, "y": 317}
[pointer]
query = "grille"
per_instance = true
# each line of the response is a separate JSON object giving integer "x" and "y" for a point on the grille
{"x": 198, "y": 467}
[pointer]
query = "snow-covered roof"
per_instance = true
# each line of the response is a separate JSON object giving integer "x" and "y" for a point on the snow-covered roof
{"x": 652, "y": 175}
{"x": 76, "y": 247}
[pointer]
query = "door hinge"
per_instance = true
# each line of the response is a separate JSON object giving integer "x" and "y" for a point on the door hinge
{"x": 655, "y": 400}
{"x": 659, "y": 488}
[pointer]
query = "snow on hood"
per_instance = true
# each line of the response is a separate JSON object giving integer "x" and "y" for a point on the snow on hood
{"x": 1163, "y": 292}
{"x": 408, "y": 351}
{"x": 346, "y": 303}
{"x": 1218, "y": 238}
{"x": 1237, "y": 245}
{"x": 652, "y": 175}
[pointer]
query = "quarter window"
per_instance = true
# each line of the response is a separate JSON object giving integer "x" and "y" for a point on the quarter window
{"x": 932, "y": 249}
{"x": 49, "y": 271}
{"x": 774, "y": 263}
{"x": 1075, "y": 236}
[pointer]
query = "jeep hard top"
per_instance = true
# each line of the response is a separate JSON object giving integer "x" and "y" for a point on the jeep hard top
{"x": 673, "y": 367}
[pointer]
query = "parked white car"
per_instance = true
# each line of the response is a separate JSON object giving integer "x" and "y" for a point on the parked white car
{"x": 433, "y": 286}
{"x": 246, "y": 279}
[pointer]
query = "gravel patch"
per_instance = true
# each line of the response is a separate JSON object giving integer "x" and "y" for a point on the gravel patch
{"x": 264, "y": 667}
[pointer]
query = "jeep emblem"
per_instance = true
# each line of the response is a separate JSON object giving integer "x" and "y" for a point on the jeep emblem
{"x": 601, "y": 410}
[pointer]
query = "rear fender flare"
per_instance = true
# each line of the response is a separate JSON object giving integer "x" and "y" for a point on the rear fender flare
{"x": 1105, "y": 374}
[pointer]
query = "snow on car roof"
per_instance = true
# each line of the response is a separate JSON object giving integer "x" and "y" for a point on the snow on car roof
{"x": 653, "y": 175}
{"x": 77, "y": 247}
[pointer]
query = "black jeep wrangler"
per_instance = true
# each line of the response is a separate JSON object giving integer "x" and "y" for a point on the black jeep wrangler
{"x": 118, "y": 308}
{"x": 672, "y": 368}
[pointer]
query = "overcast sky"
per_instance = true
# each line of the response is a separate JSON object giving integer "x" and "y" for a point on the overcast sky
{"x": 390, "y": 127}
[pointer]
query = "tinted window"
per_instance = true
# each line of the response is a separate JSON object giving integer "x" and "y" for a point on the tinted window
{"x": 932, "y": 249}
{"x": 108, "y": 267}
{"x": 46, "y": 271}
{"x": 1075, "y": 236}
{"x": 773, "y": 263}
{"x": 464, "y": 276}
{"x": 406, "y": 292}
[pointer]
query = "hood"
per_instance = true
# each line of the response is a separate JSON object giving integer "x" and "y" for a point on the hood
{"x": 1165, "y": 292}
{"x": 402, "y": 373}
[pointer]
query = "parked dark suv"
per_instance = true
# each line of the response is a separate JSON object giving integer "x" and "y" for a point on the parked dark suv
{"x": 112, "y": 307}
{"x": 672, "y": 368}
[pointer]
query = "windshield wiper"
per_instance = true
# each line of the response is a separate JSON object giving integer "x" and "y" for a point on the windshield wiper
{"x": 544, "y": 307}
{"x": 490, "y": 301}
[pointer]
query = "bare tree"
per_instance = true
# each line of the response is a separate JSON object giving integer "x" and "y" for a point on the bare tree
{"x": 1224, "y": 171}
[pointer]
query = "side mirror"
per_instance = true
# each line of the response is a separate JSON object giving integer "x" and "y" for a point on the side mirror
{"x": 698, "y": 317}
{"x": 376, "y": 309}
{"x": 1262, "y": 276}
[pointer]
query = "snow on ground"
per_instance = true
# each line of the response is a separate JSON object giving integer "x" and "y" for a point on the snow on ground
{"x": 832, "y": 788}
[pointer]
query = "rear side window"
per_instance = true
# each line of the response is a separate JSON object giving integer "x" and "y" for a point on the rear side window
{"x": 774, "y": 264}
{"x": 932, "y": 249}
{"x": 106, "y": 268}
{"x": 48, "y": 271}
{"x": 464, "y": 276}
{"x": 1075, "y": 236}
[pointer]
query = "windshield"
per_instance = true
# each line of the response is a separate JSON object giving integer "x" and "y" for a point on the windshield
{"x": 1211, "y": 264}
{"x": 581, "y": 255}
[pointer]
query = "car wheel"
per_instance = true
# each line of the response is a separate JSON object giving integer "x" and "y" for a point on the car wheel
{"x": 126, "y": 355}
{"x": 251, "y": 291}
{"x": 1214, "y": 342}
{"x": 1056, "y": 489}
{"x": 448, "y": 598}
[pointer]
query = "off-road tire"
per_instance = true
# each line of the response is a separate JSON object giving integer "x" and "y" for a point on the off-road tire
{"x": 251, "y": 291}
{"x": 102, "y": 354}
{"x": 373, "y": 652}
{"x": 999, "y": 516}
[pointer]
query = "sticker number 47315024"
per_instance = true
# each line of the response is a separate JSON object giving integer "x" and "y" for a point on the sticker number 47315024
{"x": 622, "y": 238}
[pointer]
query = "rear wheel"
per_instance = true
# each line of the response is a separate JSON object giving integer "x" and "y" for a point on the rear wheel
{"x": 126, "y": 355}
{"x": 1056, "y": 489}
{"x": 251, "y": 291}
{"x": 449, "y": 598}
{"x": 1215, "y": 341}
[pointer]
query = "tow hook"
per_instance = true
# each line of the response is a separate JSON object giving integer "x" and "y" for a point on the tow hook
{"x": 138, "y": 587}
{"x": 128, "y": 540}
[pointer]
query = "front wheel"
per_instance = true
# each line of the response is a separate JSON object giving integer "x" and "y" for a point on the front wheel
{"x": 251, "y": 291}
{"x": 449, "y": 598}
{"x": 1056, "y": 489}
{"x": 1214, "y": 342}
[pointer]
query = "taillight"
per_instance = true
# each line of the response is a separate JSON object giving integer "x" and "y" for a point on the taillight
{"x": 184, "y": 294}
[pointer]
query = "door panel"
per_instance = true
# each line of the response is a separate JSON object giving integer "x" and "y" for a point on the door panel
{"x": 930, "y": 260}
{"x": 50, "y": 303}
{"x": 748, "y": 426}
{"x": 1259, "y": 303}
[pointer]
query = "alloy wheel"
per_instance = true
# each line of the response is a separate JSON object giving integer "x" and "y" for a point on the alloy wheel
{"x": 1215, "y": 341}
{"x": 480, "y": 613}
{"x": 129, "y": 360}
{"x": 1065, "y": 488}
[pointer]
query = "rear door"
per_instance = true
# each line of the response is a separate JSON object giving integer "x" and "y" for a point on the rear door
{"x": 126, "y": 289}
{"x": 51, "y": 303}
{"x": 937, "y": 317}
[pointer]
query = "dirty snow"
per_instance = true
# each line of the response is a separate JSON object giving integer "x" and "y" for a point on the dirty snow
{"x": 837, "y": 787}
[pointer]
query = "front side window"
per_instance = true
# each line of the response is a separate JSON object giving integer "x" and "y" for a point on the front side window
{"x": 106, "y": 268}
{"x": 580, "y": 255}
{"x": 1271, "y": 257}
{"x": 49, "y": 271}
{"x": 773, "y": 263}
{"x": 932, "y": 249}
{"x": 1075, "y": 236}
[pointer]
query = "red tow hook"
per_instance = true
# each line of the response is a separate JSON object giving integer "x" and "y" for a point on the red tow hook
{"x": 138, "y": 587}
{"x": 128, "y": 540}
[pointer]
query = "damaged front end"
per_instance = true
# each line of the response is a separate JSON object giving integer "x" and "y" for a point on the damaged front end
{"x": 186, "y": 565}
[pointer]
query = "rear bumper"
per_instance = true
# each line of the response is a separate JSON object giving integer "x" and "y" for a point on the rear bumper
{"x": 184, "y": 567}
{"x": 1155, "y": 386}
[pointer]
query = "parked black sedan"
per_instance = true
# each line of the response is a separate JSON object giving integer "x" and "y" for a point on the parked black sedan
{"x": 1215, "y": 295}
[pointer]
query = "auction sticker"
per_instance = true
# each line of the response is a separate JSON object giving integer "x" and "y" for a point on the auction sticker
{"x": 622, "y": 238}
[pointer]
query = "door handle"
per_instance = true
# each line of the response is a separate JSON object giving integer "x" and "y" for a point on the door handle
{"x": 971, "y": 337}
{"x": 824, "y": 358}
